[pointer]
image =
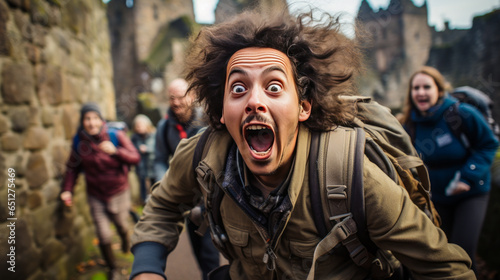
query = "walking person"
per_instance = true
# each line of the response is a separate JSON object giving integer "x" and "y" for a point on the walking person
{"x": 143, "y": 138}
{"x": 184, "y": 120}
{"x": 459, "y": 171}
{"x": 268, "y": 82}
{"x": 105, "y": 166}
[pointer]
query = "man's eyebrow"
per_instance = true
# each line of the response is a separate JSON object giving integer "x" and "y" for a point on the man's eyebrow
{"x": 274, "y": 68}
{"x": 237, "y": 70}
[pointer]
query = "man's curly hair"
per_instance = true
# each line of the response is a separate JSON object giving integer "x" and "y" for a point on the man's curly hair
{"x": 324, "y": 61}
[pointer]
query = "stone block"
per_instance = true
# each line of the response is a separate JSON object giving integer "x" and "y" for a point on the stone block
{"x": 4, "y": 214}
{"x": 36, "y": 138}
{"x": 38, "y": 172}
{"x": 39, "y": 34}
{"x": 21, "y": 197}
{"x": 22, "y": 4}
{"x": 4, "y": 124}
{"x": 18, "y": 84}
{"x": 10, "y": 142}
{"x": 70, "y": 120}
{"x": 20, "y": 165}
{"x": 34, "y": 116}
{"x": 19, "y": 117}
{"x": 23, "y": 24}
{"x": 52, "y": 250}
{"x": 60, "y": 154}
{"x": 49, "y": 85}
{"x": 3, "y": 173}
{"x": 50, "y": 191}
{"x": 43, "y": 223}
{"x": 33, "y": 53}
{"x": 58, "y": 128}
{"x": 34, "y": 200}
{"x": 5, "y": 45}
{"x": 48, "y": 117}
{"x": 70, "y": 89}
{"x": 41, "y": 12}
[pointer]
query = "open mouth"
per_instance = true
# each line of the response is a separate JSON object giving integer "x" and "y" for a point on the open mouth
{"x": 422, "y": 101}
{"x": 260, "y": 138}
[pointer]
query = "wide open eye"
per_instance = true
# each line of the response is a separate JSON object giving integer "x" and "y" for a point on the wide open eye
{"x": 238, "y": 89}
{"x": 274, "y": 88}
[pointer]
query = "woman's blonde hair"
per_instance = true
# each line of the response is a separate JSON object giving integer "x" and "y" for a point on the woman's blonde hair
{"x": 145, "y": 119}
{"x": 441, "y": 83}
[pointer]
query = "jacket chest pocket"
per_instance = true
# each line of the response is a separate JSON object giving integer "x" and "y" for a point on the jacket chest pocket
{"x": 239, "y": 240}
{"x": 301, "y": 255}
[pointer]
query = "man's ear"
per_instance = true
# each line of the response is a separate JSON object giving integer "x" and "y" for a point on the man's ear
{"x": 305, "y": 110}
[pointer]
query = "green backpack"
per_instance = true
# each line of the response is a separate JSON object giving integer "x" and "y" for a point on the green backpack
{"x": 337, "y": 195}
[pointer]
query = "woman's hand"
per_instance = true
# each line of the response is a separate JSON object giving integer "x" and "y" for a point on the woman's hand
{"x": 460, "y": 187}
{"x": 67, "y": 198}
{"x": 107, "y": 147}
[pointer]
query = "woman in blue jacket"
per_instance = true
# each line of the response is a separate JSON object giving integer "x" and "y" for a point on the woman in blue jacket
{"x": 459, "y": 165}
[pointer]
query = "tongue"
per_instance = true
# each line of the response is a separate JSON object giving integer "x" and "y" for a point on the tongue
{"x": 262, "y": 140}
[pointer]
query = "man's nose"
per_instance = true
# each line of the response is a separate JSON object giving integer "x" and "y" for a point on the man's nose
{"x": 256, "y": 102}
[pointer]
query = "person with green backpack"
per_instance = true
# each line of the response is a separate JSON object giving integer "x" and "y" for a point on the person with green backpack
{"x": 288, "y": 138}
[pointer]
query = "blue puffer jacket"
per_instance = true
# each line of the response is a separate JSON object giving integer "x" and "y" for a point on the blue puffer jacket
{"x": 445, "y": 154}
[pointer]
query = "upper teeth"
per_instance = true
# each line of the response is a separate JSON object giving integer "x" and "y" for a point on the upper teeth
{"x": 256, "y": 127}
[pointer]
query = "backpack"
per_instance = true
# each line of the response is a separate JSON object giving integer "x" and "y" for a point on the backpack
{"x": 113, "y": 128}
{"x": 478, "y": 100}
{"x": 376, "y": 133}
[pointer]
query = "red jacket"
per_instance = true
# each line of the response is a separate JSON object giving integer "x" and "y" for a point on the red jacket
{"x": 105, "y": 175}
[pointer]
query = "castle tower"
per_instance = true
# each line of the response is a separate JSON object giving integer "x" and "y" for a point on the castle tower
{"x": 400, "y": 42}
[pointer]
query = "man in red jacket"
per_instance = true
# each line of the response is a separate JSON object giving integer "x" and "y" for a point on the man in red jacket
{"x": 106, "y": 176}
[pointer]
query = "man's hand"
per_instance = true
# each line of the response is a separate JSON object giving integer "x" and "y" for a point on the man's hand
{"x": 148, "y": 276}
{"x": 67, "y": 197}
{"x": 108, "y": 147}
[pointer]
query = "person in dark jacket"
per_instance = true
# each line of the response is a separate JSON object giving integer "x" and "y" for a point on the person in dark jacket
{"x": 144, "y": 141}
{"x": 459, "y": 171}
{"x": 183, "y": 120}
{"x": 106, "y": 175}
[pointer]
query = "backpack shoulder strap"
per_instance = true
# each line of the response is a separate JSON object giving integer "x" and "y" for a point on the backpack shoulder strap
{"x": 76, "y": 141}
{"x": 314, "y": 189}
{"x": 212, "y": 195}
{"x": 113, "y": 137}
{"x": 343, "y": 186}
{"x": 200, "y": 146}
{"x": 456, "y": 124}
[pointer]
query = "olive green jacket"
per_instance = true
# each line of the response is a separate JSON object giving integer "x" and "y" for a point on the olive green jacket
{"x": 393, "y": 221}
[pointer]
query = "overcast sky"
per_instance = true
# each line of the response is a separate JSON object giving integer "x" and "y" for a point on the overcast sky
{"x": 458, "y": 12}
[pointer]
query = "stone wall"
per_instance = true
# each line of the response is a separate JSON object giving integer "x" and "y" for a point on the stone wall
{"x": 135, "y": 31}
{"x": 54, "y": 56}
